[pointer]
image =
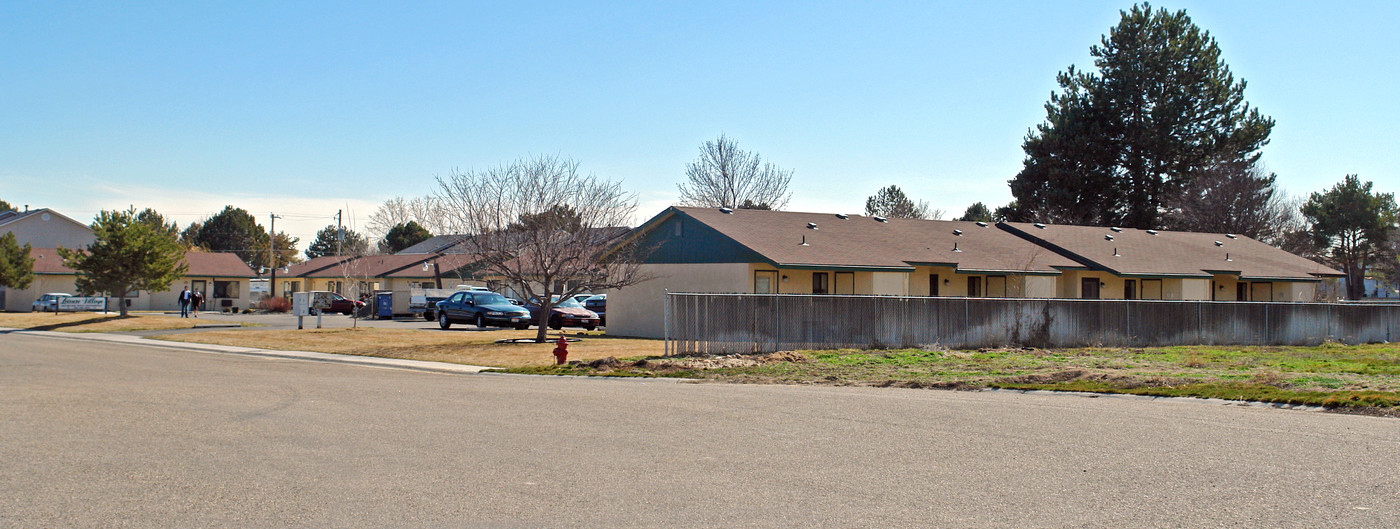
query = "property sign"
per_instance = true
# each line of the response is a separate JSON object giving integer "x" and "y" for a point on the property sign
{"x": 301, "y": 303}
{"x": 77, "y": 303}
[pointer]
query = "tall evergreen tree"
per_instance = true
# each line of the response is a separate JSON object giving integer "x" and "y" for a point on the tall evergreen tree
{"x": 333, "y": 240}
{"x": 402, "y": 236}
{"x": 1161, "y": 108}
{"x": 235, "y": 230}
{"x": 5, "y": 206}
{"x": 1353, "y": 224}
{"x": 891, "y": 202}
{"x": 16, "y": 265}
{"x": 977, "y": 212}
{"x": 130, "y": 253}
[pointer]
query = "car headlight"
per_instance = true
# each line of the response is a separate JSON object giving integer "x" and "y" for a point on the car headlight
{"x": 495, "y": 313}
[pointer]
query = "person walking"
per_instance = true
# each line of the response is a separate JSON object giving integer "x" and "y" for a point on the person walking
{"x": 196, "y": 302}
{"x": 185, "y": 302}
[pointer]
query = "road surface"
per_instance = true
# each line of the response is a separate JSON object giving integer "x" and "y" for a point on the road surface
{"x": 95, "y": 434}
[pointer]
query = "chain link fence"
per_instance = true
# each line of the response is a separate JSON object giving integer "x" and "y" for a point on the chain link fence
{"x": 757, "y": 323}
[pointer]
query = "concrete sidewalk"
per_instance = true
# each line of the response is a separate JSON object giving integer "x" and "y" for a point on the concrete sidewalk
{"x": 394, "y": 363}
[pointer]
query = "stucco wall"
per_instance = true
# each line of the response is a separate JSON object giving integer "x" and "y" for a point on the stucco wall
{"x": 53, "y": 232}
{"x": 638, "y": 310}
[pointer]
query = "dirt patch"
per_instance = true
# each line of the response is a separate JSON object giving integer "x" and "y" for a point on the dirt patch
{"x": 723, "y": 361}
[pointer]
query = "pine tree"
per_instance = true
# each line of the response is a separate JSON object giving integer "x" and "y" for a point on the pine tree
{"x": 333, "y": 239}
{"x": 1353, "y": 224}
{"x": 1161, "y": 108}
{"x": 402, "y": 236}
{"x": 16, "y": 265}
{"x": 892, "y": 203}
{"x": 131, "y": 253}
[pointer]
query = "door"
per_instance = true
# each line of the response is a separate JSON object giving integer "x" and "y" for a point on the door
{"x": 1130, "y": 289}
{"x": 198, "y": 286}
{"x": 1241, "y": 291}
{"x": 974, "y": 287}
{"x": 1089, "y": 288}
{"x": 820, "y": 284}
{"x": 933, "y": 284}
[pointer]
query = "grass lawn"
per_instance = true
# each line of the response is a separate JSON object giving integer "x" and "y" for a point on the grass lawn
{"x": 1361, "y": 377}
{"x": 91, "y": 322}
{"x": 465, "y": 346}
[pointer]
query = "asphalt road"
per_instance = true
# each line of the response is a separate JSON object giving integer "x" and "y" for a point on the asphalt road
{"x": 109, "y": 435}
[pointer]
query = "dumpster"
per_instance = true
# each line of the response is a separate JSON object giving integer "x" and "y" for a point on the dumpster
{"x": 384, "y": 305}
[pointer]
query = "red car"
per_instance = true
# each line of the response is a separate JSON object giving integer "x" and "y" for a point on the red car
{"x": 344, "y": 305}
{"x": 565, "y": 313}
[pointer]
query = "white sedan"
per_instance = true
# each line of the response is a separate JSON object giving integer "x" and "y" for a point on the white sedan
{"x": 48, "y": 302}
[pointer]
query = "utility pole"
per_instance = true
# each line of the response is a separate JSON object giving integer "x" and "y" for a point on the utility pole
{"x": 339, "y": 232}
{"x": 272, "y": 254}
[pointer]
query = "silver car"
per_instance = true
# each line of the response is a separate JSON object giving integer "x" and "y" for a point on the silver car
{"x": 48, "y": 302}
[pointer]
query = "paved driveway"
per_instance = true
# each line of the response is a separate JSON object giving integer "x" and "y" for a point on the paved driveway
{"x": 112, "y": 435}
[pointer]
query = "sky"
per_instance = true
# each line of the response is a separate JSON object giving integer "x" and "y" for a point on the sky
{"x": 304, "y": 109}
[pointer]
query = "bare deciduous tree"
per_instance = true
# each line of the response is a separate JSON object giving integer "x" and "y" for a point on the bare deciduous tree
{"x": 1235, "y": 197}
{"x": 543, "y": 227}
{"x": 729, "y": 177}
{"x": 399, "y": 210}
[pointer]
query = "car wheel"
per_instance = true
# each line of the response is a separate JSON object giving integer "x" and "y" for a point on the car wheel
{"x": 480, "y": 321}
{"x": 523, "y": 327}
{"x": 442, "y": 320}
{"x": 428, "y": 315}
{"x": 589, "y": 328}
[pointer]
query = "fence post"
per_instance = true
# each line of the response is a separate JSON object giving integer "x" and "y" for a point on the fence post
{"x": 666, "y": 317}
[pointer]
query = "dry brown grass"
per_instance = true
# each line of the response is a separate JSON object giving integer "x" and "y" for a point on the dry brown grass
{"x": 91, "y": 322}
{"x": 470, "y": 347}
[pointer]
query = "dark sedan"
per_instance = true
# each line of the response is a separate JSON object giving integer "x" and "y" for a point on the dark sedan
{"x": 565, "y": 313}
{"x": 344, "y": 305}
{"x": 485, "y": 309}
{"x": 599, "y": 305}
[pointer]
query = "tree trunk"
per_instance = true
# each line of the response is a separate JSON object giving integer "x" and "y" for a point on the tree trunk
{"x": 546, "y": 305}
{"x": 121, "y": 304}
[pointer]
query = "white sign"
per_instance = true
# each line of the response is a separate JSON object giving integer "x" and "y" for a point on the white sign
{"x": 76, "y": 303}
{"x": 320, "y": 299}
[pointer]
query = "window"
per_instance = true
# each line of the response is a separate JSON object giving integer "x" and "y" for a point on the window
{"x": 227, "y": 289}
{"x": 1089, "y": 288}
{"x": 291, "y": 286}
{"x": 764, "y": 281}
{"x": 676, "y": 229}
{"x": 820, "y": 284}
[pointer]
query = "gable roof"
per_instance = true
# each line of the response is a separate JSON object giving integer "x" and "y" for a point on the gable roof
{"x": 217, "y": 264}
{"x": 1170, "y": 253}
{"x": 784, "y": 238}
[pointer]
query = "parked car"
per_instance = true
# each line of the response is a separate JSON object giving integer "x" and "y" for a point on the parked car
{"x": 565, "y": 313}
{"x": 484, "y": 308}
{"x": 599, "y": 305}
{"x": 582, "y": 297}
{"x": 48, "y": 302}
{"x": 344, "y": 305}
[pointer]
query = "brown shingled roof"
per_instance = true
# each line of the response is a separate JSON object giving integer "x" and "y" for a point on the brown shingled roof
{"x": 862, "y": 242}
{"x": 216, "y": 264}
{"x": 1173, "y": 253}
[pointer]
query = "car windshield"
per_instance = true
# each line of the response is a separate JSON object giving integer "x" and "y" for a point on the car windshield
{"x": 566, "y": 302}
{"x": 489, "y": 298}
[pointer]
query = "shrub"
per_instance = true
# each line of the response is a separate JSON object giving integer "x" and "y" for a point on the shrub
{"x": 275, "y": 304}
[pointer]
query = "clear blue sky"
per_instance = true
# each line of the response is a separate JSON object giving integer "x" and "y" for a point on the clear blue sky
{"x": 306, "y": 108}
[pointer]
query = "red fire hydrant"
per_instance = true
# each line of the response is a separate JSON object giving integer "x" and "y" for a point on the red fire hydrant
{"x": 561, "y": 351}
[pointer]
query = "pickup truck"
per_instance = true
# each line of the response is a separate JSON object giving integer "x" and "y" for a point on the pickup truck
{"x": 422, "y": 301}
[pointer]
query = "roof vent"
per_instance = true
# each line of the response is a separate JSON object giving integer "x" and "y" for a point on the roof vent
{"x": 842, "y": 216}
{"x": 955, "y": 248}
{"x": 1115, "y": 253}
{"x": 1227, "y": 256}
{"x": 879, "y": 218}
{"x": 1116, "y": 229}
{"x": 1151, "y": 232}
{"x": 957, "y": 232}
{"x": 726, "y": 211}
{"x": 1218, "y": 243}
{"x": 811, "y": 225}
{"x": 1039, "y": 225}
{"x": 1107, "y": 237}
{"x": 1231, "y": 235}
{"x": 804, "y": 241}
{"x": 982, "y": 224}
